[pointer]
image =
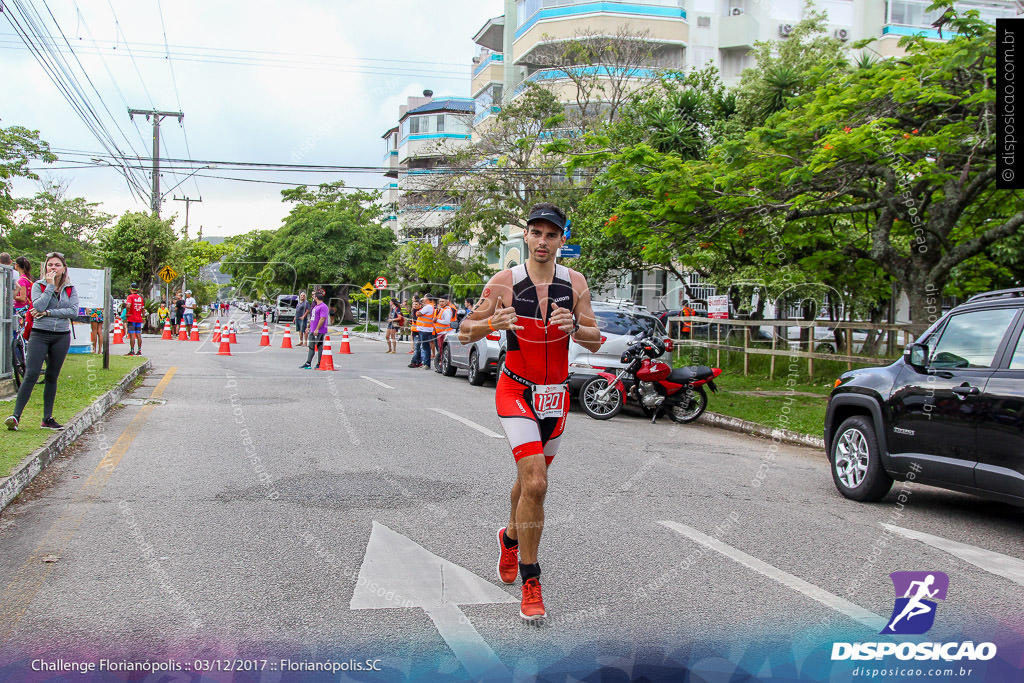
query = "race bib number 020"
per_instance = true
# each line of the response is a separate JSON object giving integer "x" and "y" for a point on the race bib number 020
{"x": 549, "y": 400}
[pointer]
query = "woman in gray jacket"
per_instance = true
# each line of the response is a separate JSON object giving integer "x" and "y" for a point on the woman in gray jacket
{"x": 54, "y": 305}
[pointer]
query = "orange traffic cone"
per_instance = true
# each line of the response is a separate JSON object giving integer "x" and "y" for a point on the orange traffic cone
{"x": 118, "y": 332}
{"x": 195, "y": 331}
{"x": 182, "y": 332}
{"x": 216, "y": 332}
{"x": 225, "y": 345}
{"x": 231, "y": 335}
{"x": 167, "y": 330}
{"x": 265, "y": 338}
{"x": 286, "y": 341}
{"x": 327, "y": 360}
{"x": 344, "y": 348}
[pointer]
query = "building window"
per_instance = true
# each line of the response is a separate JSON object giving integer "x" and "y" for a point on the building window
{"x": 440, "y": 123}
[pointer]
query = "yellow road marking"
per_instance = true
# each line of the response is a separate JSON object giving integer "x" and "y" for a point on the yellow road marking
{"x": 33, "y": 573}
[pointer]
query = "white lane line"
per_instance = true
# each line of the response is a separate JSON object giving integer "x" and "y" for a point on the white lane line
{"x": 370, "y": 379}
{"x": 469, "y": 423}
{"x": 995, "y": 563}
{"x": 855, "y": 612}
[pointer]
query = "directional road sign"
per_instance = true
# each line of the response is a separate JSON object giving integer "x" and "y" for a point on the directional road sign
{"x": 167, "y": 274}
{"x": 569, "y": 251}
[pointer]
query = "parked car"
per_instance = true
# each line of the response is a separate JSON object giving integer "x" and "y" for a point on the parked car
{"x": 481, "y": 359}
{"x": 286, "y": 304}
{"x": 949, "y": 413}
{"x": 619, "y": 325}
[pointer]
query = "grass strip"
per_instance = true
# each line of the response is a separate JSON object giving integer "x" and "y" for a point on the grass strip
{"x": 82, "y": 381}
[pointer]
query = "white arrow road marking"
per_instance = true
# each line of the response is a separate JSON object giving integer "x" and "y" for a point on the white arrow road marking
{"x": 469, "y": 423}
{"x": 397, "y": 572}
{"x": 370, "y": 379}
{"x": 996, "y": 563}
{"x": 855, "y": 612}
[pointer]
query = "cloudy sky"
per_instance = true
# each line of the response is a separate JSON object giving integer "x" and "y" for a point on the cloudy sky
{"x": 307, "y": 82}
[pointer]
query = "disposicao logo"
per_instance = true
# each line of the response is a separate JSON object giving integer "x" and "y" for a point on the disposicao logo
{"x": 914, "y": 614}
{"x": 916, "y": 592}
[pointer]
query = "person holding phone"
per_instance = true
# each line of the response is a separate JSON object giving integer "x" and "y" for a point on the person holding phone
{"x": 54, "y": 306}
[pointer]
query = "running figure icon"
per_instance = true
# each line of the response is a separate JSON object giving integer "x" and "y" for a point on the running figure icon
{"x": 914, "y": 606}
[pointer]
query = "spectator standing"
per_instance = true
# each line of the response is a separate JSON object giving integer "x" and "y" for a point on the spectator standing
{"x": 317, "y": 330}
{"x": 96, "y": 329}
{"x": 395, "y": 322}
{"x": 54, "y": 306}
{"x": 425, "y": 323}
{"x": 190, "y": 308}
{"x": 179, "y": 311}
{"x": 162, "y": 314}
{"x": 446, "y": 313}
{"x": 23, "y": 286}
{"x": 302, "y": 311}
{"x": 136, "y": 310}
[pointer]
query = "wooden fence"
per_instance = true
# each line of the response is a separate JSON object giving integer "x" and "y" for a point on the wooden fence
{"x": 703, "y": 329}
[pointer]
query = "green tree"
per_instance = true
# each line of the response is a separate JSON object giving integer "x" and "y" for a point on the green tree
{"x": 332, "y": 235}
{"x": 901, "y": 152}
{"x": 135, "y": 248}
{"x": 49, "y": 222}
{"x": 18, "y": 146}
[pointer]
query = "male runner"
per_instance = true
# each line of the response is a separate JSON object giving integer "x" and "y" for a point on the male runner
{"x": 136, "y": 310}
{"x": 547, "y": 304}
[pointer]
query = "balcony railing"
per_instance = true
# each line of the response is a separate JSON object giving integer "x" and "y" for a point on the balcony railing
{"x": 493, "y": 57}
{"x": 557, "y": 9}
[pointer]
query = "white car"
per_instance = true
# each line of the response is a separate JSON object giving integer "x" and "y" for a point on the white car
{"x": 481, "y": 359}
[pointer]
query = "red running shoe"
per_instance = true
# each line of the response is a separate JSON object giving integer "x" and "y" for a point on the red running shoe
{"x": 508, "y": 562}
{"x": 532, "y": 608}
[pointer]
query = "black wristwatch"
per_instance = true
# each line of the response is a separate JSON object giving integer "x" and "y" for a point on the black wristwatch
{"x": 575, "y": 326}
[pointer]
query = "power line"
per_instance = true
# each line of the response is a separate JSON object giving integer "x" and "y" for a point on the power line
{"x": 29, "y": 24}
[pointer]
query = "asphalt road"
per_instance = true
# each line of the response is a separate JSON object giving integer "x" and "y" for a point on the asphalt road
{"x": 232, "y": 517}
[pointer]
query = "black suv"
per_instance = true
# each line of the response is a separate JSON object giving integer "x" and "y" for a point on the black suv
{"x": 951, "y": 410}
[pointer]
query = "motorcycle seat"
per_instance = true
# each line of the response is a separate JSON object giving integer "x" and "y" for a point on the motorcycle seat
{"x": 690, "y": 373}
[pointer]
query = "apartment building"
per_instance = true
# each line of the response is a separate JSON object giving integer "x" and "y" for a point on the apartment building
{"x": 515, "y": 49}
{"x": 428, "y": 127}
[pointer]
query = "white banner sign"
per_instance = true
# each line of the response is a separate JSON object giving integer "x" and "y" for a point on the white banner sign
{"x": 89, "y": 284}
{"x": 718, "y": 307}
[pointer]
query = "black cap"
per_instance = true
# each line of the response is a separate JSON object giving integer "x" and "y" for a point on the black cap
{"x": 133, "y": 285}
{"x": 547, "y": 215}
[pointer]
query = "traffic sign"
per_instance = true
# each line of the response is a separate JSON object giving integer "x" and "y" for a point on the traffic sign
{"x": 570, "y": 251}
{"x": 381, "y": 283}
{"x": 167, "y": 274}
{"x": 368, "y": 289}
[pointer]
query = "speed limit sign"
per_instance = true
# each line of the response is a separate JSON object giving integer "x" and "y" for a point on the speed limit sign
{"x": 380, "y": 283}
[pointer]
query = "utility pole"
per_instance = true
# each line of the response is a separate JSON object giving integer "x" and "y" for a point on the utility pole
{"x": 157, "y": 116}
{"x": 188, "y": 201}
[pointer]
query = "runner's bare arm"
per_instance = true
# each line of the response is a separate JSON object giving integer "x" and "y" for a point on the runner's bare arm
{"x": 588, "y": 335}
{"x": 490, "y": 312}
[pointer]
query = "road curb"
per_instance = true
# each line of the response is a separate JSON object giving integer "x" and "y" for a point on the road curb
{"x": 32, "y": 465}
{"x": 786, "y": 436}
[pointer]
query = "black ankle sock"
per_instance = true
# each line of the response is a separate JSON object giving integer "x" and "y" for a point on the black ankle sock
{"x": 529, "y": 571}
{"x": 508, "y": 542}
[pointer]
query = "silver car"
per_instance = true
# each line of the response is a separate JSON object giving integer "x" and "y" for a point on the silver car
{"x": 481, "y": 359}
{"x": 619, "y": 326}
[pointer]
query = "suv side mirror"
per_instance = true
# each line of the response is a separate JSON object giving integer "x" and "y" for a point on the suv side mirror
{"x": 916, "y": 356}
{"x": 455, "y": 325}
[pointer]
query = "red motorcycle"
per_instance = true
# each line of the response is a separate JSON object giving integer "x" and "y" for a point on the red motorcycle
{"x": 653, "y": 384}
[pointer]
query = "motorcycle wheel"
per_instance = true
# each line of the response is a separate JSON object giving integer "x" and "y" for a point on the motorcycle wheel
{"x": 690, "y": 409}
{"x": 592, "y": 404}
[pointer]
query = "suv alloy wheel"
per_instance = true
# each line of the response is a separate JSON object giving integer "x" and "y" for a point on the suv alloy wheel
{"x": 856, "y": 463}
